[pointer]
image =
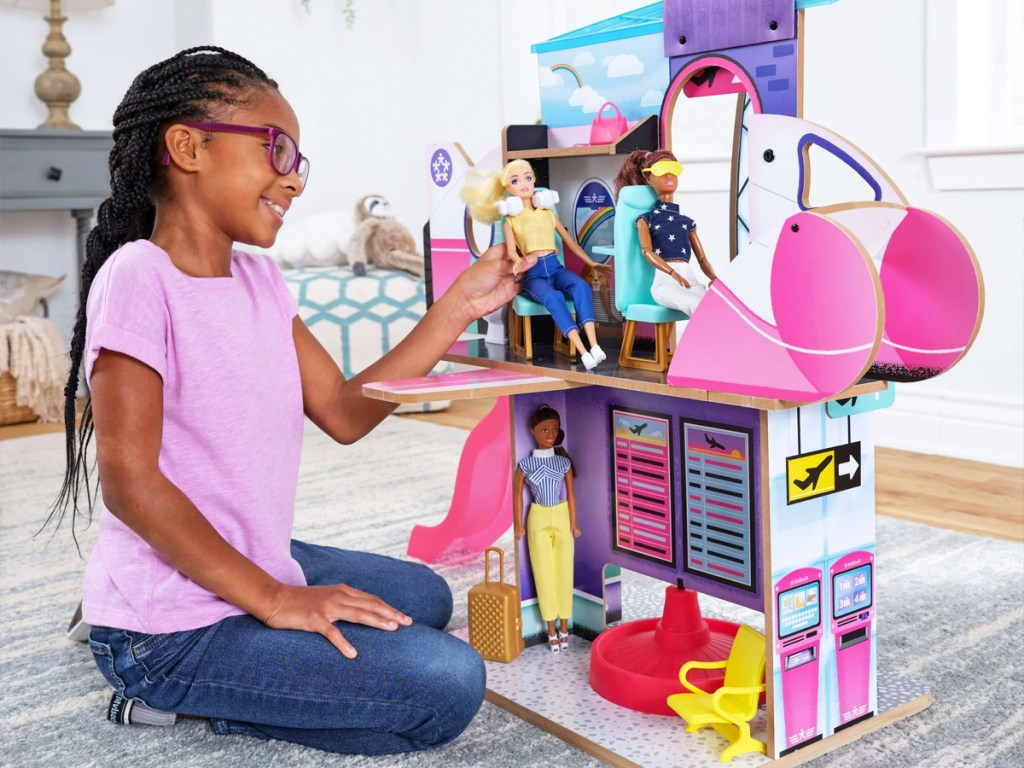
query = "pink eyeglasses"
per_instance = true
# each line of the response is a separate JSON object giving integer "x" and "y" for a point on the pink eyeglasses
{"x": 283, "y": 155}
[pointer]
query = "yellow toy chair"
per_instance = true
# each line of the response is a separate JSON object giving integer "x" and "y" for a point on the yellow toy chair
{"x": 633, "y": 278}
{"x": 729, "y": 709}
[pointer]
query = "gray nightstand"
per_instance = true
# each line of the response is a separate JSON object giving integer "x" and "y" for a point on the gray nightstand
{"x": 55, "y": 170}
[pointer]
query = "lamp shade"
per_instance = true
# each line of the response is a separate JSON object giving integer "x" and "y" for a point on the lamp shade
{"x": 68, "y": 6}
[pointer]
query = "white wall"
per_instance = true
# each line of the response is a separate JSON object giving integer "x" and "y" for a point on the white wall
{"x": 412, "y": 72}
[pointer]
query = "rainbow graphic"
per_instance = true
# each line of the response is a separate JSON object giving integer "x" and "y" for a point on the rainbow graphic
{"x": 571, "y": 71}
{"x": 590, "y": 225}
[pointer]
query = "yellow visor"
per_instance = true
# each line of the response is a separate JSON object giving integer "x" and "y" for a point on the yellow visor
{"x": 664, "y": 167}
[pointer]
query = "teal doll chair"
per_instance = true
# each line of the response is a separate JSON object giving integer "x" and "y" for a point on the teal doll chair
{"x": 633, "y": 278}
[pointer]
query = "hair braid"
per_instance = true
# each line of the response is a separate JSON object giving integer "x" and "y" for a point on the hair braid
{"x": 195, "y": 84}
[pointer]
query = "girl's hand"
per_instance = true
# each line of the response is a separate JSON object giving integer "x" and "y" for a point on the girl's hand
{"x": 488, "y": 284}
{"x": 602, "y": 267}
{"x": 576, "y": 531}
{"x": 681, "y": 280}
{"x": 517, "y": 531}
{"x": 314, "y": 609}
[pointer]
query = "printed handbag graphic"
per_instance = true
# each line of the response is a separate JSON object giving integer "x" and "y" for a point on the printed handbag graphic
{"x": 605, "y": 130}
{"x": 495, "y": 624}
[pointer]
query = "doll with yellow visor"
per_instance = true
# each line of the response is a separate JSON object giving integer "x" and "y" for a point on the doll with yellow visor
{"x": 530, "y": 227}
{"x": 668, "y": 239}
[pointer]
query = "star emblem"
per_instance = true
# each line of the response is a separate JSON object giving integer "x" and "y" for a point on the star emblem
{"x": 671, "y": 238}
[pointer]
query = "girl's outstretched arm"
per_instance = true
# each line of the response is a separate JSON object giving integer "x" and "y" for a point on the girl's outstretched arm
{"x": 336, "y": 404}
{"x": 127, "y": 404}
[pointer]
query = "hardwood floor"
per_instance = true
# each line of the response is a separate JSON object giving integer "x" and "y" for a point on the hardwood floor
{"x": 968, "y": 496}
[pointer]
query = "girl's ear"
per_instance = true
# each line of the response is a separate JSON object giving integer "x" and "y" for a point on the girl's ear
{"x": 181, "y": 145}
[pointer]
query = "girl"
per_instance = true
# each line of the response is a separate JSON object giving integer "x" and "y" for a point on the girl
{"x": 667, "y": 237}
{"x": 200, "y": 373}
{"x": 530, "y": 226}
{"x": 551, "y": 525}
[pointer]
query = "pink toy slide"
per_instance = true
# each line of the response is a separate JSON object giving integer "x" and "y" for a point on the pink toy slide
{"x": 481, "y": 508}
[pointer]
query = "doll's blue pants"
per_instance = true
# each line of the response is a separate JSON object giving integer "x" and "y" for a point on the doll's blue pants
{"x": 549, "y": 283}
{"x": 414, "y": 688}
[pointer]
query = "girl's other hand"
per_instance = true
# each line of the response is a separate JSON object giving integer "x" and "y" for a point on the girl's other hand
{"x": 315, "y": 609}
{"x": 576, "y": 531}
{"x": 517, "y": 531}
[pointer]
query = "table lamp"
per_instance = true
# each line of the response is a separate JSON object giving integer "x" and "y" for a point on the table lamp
{"x": 56, "y": 87}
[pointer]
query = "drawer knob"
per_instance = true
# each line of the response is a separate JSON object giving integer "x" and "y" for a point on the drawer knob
{"x": 54, "y": 174}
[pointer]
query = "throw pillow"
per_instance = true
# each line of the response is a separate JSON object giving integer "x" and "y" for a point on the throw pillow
{"x": 20, "y": 293}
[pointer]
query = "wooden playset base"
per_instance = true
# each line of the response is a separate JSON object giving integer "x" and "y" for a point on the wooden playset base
{"x": 626, "y": 739}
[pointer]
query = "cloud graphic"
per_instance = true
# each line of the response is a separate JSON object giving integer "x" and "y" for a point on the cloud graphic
{"x": 549, "y": 79}
{"x": 587, "y": 98}
{"x": 625, "y": 65}
{"x": 651, "y": 98}
{"x": 583, "y": 59}
{"x": 657, "y": 435}
{"x": 607, "y": 60}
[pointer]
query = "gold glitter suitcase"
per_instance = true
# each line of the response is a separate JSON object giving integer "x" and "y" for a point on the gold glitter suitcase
{"x": 495, "y": 622}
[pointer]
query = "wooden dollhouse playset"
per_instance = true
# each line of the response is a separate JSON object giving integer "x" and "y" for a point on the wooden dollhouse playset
{"x": 738, "y": 462}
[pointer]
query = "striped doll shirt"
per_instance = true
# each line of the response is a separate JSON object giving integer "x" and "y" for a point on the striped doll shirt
{"x": 545, "y": 472}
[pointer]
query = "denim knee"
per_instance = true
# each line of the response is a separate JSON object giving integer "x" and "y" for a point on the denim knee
{"x": 435, "y": 606}
{"x": 461, "y": 679}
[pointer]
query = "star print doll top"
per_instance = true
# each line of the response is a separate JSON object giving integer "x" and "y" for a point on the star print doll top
{"x": 544, "y": 472}
{"x": 670, "y": 231}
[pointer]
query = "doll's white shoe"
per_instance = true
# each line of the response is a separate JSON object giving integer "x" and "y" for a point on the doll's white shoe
{"x": 588, "y": 361}
{"x": 563, "y": 641}
{"x": 553, "y": 644}
{"x": 598, "y": 353}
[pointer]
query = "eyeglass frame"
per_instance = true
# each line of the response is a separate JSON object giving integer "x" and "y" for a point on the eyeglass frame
{"x": 271, "y": 131}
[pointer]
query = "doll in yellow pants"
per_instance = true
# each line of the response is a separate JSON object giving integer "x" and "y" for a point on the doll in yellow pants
{"x": 551, "y": 524}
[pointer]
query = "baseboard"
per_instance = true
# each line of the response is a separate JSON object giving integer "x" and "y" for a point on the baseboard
{"x": 974, "y": 427}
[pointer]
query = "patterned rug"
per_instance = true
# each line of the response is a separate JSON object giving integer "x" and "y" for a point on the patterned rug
{"x": 951, "y": 609}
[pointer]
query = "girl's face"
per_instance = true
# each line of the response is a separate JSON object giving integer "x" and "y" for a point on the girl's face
{"x": 521, "y": 184}
{"x": 546, "y": 432}
{"x": 245, "y": 197}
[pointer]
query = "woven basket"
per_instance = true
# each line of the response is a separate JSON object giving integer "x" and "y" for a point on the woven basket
{"x": 10, "y": 411}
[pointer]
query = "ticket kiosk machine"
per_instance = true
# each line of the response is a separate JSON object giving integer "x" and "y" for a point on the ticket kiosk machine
{"x": 852, "y": 624}
{"x": 798, "y": 644}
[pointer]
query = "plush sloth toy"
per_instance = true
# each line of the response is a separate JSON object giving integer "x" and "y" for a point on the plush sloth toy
{"x": 381, "y": 240}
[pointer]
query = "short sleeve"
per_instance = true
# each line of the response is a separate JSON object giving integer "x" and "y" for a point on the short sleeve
{"x": 127, "y": 312}
{"x": 283, "y": 293}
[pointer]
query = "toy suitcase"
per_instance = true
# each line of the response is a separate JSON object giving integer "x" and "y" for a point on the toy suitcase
{"x": 495, "y": 623}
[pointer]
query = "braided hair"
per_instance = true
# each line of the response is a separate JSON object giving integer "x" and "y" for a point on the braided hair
{"x": 632, "y": 172}
{"x": 195, "y": 84}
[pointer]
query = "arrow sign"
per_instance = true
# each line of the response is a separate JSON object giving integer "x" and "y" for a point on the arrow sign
{"x": 849, "y": 468}
{"x": 823, "y": 472}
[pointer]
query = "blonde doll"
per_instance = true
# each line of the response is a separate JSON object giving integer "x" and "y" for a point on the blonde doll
{"x": 530, "y": 227}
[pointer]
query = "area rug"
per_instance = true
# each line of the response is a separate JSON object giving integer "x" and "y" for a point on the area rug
{"x": 951, "y": 609}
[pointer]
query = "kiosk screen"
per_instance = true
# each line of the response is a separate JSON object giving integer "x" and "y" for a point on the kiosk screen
{"x": 799, "y": 609}
{"x": 851, "y": 591}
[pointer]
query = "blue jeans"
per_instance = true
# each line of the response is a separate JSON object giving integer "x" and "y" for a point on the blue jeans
{"x": 414, "y": 688}
{"x": 547, "y": 282}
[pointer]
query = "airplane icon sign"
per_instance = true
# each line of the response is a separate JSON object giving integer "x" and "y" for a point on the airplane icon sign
{"x": 820, "y": 473}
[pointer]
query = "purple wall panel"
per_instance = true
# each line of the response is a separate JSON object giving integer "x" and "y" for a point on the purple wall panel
{"x": 771, "y": 66}
{"x": 694, "y": 26}
{"x": 585, "y": 419}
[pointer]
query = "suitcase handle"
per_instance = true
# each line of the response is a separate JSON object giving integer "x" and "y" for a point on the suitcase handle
{"x": 501, "y": 564}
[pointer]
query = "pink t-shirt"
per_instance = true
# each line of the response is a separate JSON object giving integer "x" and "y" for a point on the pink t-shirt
{"x": 232, "y": 425}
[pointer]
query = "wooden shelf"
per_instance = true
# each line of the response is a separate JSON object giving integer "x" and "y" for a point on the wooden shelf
{"x": 529, "y": 142}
